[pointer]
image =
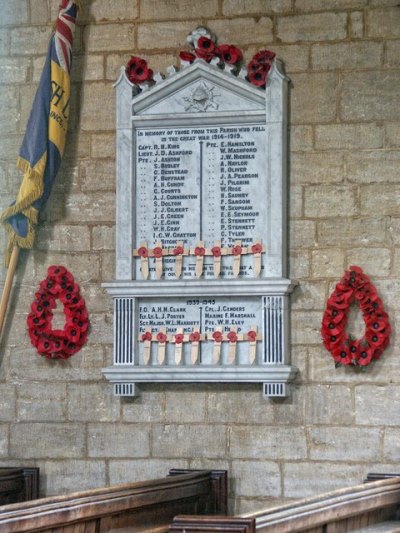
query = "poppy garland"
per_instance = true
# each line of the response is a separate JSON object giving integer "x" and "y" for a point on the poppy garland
{"x": 58, "y": 343}
{"x": 355, "y": 287}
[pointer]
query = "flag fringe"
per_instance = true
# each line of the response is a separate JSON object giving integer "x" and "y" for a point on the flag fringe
{"x": 14, "y": 238}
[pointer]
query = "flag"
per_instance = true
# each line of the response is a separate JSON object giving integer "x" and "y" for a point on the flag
{"x": 44, "y": 141}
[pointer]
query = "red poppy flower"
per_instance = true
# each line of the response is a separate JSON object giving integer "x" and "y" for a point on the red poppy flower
{"x": 73, "y": 333}
{"x": 56, "y": 271}
{"x": 236, "y": 250}
{"x": 199, "y": 250}
{"x": 334, "y": 315}
{"x": 35, "y": 321}
{"x": 343, "y": 355}
{"x": 216, "y": 251}
{"x": 377, "y": 324}
{"x": 137, "y": 70}
{"x": 178, "y": 250}
{"x": 263, "y": 57}
{"x": 232, "y": 336}
{"x": 179, "y": 337}
{"x": 229, "y": 54}
{"x": 157, "y": 252}
{"x": 251, "y": 335}
{"x": 194, "y": 336}
{"x": 258, "y": 77}
{"x": 205, "y": 48}
{"x": 147, "y": 336}
{"x": 38, "y": 308}
{"x": 217, "y": 336}
{"x": 161, "y": 337}
{"x": 143, "y": 252}
{"x": 256, "y": 248}
{"x": 45, "y": 346}
{"x": 65, "y": 279}
{"x": 78, "y": 322}
{"x": 187, "y": 56}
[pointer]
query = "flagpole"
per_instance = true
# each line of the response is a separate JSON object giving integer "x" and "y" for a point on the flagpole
{"x": 8, "y": 285}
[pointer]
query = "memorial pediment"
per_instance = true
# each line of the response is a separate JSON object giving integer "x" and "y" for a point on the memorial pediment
{"x": 199, "y": 88}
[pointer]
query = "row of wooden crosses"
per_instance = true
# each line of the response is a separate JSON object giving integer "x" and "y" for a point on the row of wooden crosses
{"x": 200, "y": 252}
{"x": 232, "y": 337}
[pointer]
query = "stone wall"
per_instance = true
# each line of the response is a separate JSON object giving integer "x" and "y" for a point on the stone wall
{"x": 343, "y": 59}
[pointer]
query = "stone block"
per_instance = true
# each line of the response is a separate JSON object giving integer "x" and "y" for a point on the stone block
{"x": 369, "y": 400}
{"x": 243, "y": 31}
{"x": 317, "y": 167}
{"x": 290, "y": 411}
{"x": 41, "y": 402}
{"x": 393, "y": 133}
{"x": 306, "y": 327}
{"x": 391, "y": 444}
{"x": 4, "y": 439}
{"x": 313, "y": 98}
{"x": 392, "y": 54}
{"x": 87, "y": 68}
{"x": 26, "y": 365}
{"x": 309, "y": 295}
{"x": 149, "y": 406}
{"x": 384, "y": 23}
{"x": 301, "y": 138}
{"x": 185, "y": 404}
{"x": 327, "y": 263}
{"x": 14, "y": 70}
{"x": 324, "y": 201}
{"x": 189, "y": 440}
{"x": 107, "y": 271}
{"x": 382, "y": 199}
{"x": 101, "y": 325}
{"x": 14, "y": 15}
{"x": 22, "y": 39}
{"x": 349, "y": 137}
{"x": 305, "y": 479}
{"x": 363, "y": 54}
{"x": 239, "y": 404}
{"x": 328, "y": 5}
{"x": 370, "y": 95}
{"x": 9, "y": 146}
{"x": 296, "y": 201}
{"x": 370, "y": 167}
{"x": 295, "y": 58}
{"x": 81, "y": 207}
{"x": 103, "y": 145}
{"x": 353, "y": 232}
{"x": 98, "y": 107}
{"x": 357, "y": 26}
{"x": 299, "y": 264}
{"x": 181, "y": 9}
{"x": 256, "y": 478}
{"x": 267, "y": 442}
{"x": 374, "y": 261}
{"x": 312, "y": 27}
{"x": 343, "y": 444}
{"x": 39, "y": 11}
{"x": 170, "y": 34}
{"x": 9, "y": 106}
{"x": 302, "y": 233}
{"x": 101, "y": 37}
{"x": 92, "y": 402}
{"x": 57, "y": 237}
{"x": 124, "y": 440}
{"x": 265, "y": 7}
{"x": 47, "y": 440}
{"x": 103, "y": 237}
{"x": 84, "y": 267}
{"x": 98, "y": 175}
{"x": 109, "y": 10}
{"x": 329, "y": 404}
{"x": 7, "y": 402}
{"x": 133, "y": 470}
{"x": 65, "y": 477}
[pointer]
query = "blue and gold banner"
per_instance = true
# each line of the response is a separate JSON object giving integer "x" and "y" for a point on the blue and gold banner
{"x": 43, "y": 145}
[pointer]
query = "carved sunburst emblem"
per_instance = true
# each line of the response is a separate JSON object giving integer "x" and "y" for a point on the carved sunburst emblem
{"x": 201, "y": 99}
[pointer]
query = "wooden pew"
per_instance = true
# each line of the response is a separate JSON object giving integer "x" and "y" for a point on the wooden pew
{"x": 372, "y": 507}
{"x": 135, "y": 507}
{"x": 18, "y": 484}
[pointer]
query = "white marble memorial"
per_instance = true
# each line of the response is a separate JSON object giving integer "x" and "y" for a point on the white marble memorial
{"x": 201, "y": 165}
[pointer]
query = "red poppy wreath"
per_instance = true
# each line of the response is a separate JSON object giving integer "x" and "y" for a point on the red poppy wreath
{"x": 58, "y": 343}
{"x": 355, "y": 286}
